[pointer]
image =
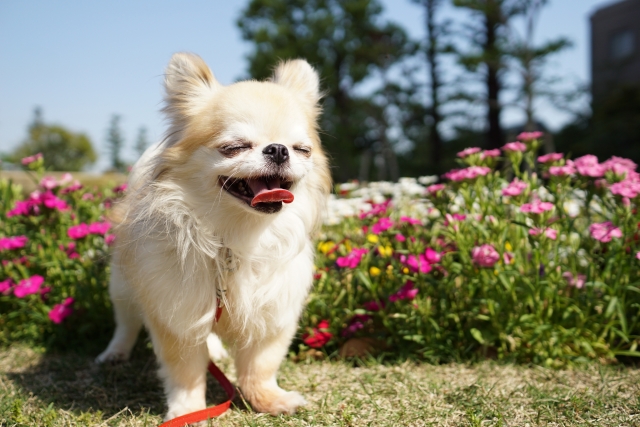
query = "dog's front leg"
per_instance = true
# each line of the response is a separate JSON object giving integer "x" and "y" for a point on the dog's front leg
{"x": 257, "y": 366}
{"x": 183, "y": 368}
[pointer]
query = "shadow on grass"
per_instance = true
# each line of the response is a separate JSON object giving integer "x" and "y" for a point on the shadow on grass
{"x": 73, "y": 382}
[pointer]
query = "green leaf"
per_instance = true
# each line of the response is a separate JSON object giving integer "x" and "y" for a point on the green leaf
{"x": 477, "y": 335}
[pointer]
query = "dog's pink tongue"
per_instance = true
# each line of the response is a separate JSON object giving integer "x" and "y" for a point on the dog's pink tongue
{"x": 268, "y": 191}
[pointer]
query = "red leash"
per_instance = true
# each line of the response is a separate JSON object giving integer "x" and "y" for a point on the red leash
{"x": 213, "y": 411}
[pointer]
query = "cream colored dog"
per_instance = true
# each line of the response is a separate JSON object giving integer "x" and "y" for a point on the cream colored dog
{"x": 222, "y": 210}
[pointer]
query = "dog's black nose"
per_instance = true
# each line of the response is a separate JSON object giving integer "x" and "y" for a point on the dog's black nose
{"x": 278, "y": 153}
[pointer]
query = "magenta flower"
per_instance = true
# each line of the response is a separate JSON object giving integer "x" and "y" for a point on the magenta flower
{"x": 383, "y": 224}
{"x": 28, "y": 286}
{"x": 432, "y": 256}
{"x": 73, "y": 187}
{"x": 59, "y": 312}
{"x": 514, "y": 147}
{"x": 99, "y": 227}
{"x": 51, "y": 201}
{"x": 24, "y": 208}
{"x": 515, "y": 188}
{"x": 49, "y": 182}
{"x": 485, "y": 255}
{"x": 11, "y": 243}
{"x": 604, "y": 231}
{"x": 588, "y": 166}
{"x": 78, "y": 231}
{"x": 28, "y": 160}
{"x": 355, "y": 324}
{"x": 70, "y": 250}
{"x": 529, "y": 136}
{"x": 109, "y": 239}
{"x": 5, "y": 286}
{"x": 412, "y": 221}
{"x": 575, "y": 281}
{"x": 120, "y": 188}
{"x": 407, "y": 291}
{"x": 373, "y": 305}
{"x": 536, "y": 207}
{"x": 432, "y": 189}
{"x": 376, "y": 209}
{"x": 551, "y": 157}
{"x": 468, "y": 151}
{"x": 352, "y": 260}
{"x": 490, "y": 153}
{"x": 416, "y": 264}
{"x": 400, "y": 237}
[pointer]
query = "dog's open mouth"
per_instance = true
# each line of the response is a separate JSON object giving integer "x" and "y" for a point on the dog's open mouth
{"x": 265, "y": 194}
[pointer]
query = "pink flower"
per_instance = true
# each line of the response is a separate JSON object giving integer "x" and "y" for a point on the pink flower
{"x": 28, "y": 286}
{"x": 78, "y": 231}
{"x": 529, "y": 136}
{"x": 356, "y": 323}
{"x": 5, "y": 286}
{"x": 432, "y": 189}
{"x": 638, "y": 255}
{"x": 604, "y": 231}
{"x": 400, "y": 237}
{"x": 507, "y": 257}
{"x": 577, "y": 281}
{"x": 626, "y": 188}
{"x": 120, "y": 188}
{"x": 536, "y": 207}
{"x": 319, "y": 335}
{"x": 515, "y": 188}
{"x": 383, "y": 224}
{"x": 28, "y": 160}
{"x": 373, "y": 305}
{"x": 407, "y": 291}
{"x": 485, "y": 255}
{"x": 468, "y": 151}
{"x": 551, "y": 157}
{"x": 51, "y": 201}
{"x": 468, "y": 173}
{"x": 416, "y": 264}
{"x": 11, "y": 243}
{"x": 514, "y": 147}
{"x": 620, "y": 166}
{"x": 49, "y": 182}
{"x": 432, "y": 256}
{"x": 109, "y": 239}
{"x": 376, "y": 209}
{"x": 412, "y": 221}
{"x": 567, "y": 170}
{"x": 588, "y": 166}
{"x": 99, "y": 227}
{"x": 61, "y": 311}
{"x": 353, "y": 259}
{"x": 73, "y": 187}
{"x": 70, "y": 250}
{"x": 490, "y": 153}
{"x": 549, "y": 232}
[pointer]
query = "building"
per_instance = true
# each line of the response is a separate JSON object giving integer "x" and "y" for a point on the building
{"x": 615, "y": 48}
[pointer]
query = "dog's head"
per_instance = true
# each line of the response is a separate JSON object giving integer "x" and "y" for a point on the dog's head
{"x": 251, "y": 145}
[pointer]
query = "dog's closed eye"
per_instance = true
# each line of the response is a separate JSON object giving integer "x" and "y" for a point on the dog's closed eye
{"x": 302, "y": 149}
{"x": 235, "y": 148}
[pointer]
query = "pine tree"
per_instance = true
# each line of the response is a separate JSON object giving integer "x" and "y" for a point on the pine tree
{"x": 141, "y": 141}
{"x": 115, "y": 144}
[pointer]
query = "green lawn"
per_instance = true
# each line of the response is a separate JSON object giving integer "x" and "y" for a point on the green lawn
{"x": 69, "y": 390}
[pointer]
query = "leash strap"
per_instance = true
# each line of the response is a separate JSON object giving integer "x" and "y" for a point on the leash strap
{"x": 213, "y": 411}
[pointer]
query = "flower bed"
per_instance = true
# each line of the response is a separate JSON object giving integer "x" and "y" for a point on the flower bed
{"x": 534, "y": 261}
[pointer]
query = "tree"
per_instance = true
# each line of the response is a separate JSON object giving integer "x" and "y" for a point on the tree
{"x": 62, "y": 149}
{"x": 115, "y": 143}
{"x": 488, "y": 37}
{"x": 141, "y": 141}
{"x": 346, "y": 42}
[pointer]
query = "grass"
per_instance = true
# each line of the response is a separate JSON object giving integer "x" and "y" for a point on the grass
{"x": 69, "y": 390}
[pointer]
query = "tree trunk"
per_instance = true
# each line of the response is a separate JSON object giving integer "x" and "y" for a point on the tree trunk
{"x": 435, "y": 139}
{"x": 495, "y": 135}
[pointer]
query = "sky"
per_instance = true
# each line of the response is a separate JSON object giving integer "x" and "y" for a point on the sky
{"x": 83, "y": 61}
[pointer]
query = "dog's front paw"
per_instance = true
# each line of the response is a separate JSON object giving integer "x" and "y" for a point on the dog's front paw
{"x": 112, "y": 357}
{"x": 276, "y": 403}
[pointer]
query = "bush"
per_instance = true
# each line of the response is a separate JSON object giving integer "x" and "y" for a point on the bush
{"x": 536, "y": 261}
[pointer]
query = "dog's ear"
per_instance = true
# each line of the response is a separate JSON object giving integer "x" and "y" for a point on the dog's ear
{"x": 300, "y": 77}
{"x": 189, "y": 83}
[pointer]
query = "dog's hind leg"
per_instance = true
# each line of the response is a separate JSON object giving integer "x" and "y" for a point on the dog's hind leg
{"x": 128, "y": 320}
{"x": 257, "y": 366}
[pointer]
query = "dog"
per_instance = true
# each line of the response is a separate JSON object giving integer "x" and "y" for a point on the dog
{"x": 220, "y": 212}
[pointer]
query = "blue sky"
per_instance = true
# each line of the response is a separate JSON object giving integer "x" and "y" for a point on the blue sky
{"x": 83, "y": 61}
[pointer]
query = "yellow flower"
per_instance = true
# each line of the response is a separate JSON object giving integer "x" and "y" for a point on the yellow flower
{"x": 325, "y": 247}
{"x": 374, "y": 271}
{"x": 372, "y": 238}
{"x": 405, "y": 270}
{"x": 508, "y": 247}
{"x": 385, "y": 251}
{"x": 347, "y": 245}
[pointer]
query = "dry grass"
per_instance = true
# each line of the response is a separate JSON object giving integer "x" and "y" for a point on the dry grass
{"x": 69, "y": 390}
